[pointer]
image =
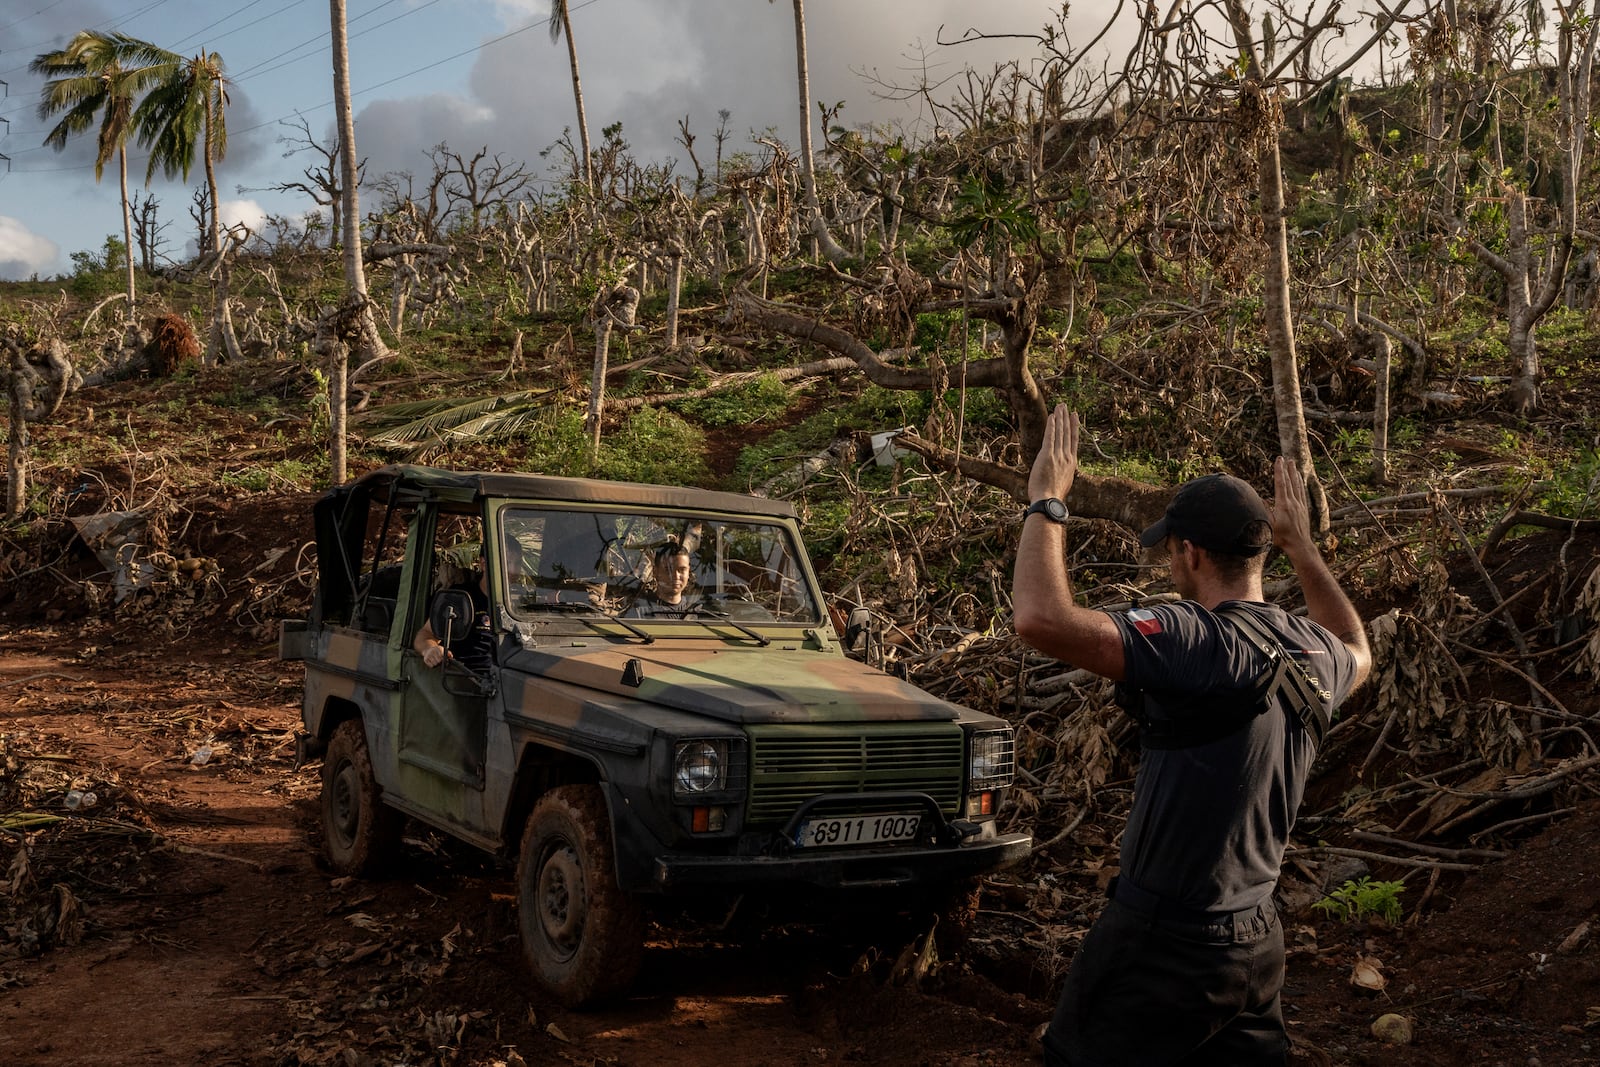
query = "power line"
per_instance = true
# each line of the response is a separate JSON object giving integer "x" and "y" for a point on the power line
{"x": 201, "y": 31}
{"x": 436, "y": 63}
{"x": 107, "y": 24}
{"x": 255, "y": 70}
{"x": 370, "y": 88}
{"x": 25, "y": 18}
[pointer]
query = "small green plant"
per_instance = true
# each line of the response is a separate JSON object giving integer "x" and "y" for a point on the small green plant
{"x": 285, "y": 474}
{"x": 318, "y": 405}
{"x": 1361, "y": 898}
{"x": 1405, "y": 433}
{"x": 1352, "y": 441}
{"x": 762, "y": 399}
{"x": 1571, "y": 487}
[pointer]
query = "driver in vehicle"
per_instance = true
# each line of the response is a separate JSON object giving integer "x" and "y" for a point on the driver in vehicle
{"x": 672, "y": 596}
{"x": 473, "y": 646}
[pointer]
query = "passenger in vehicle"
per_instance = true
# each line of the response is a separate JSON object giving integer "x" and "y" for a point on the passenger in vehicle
{"x": 672, "y": 596}
{"x": 473, "y": 648}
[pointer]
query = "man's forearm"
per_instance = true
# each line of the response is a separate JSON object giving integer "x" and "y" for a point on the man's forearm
{"x": 1041, "y": 584}
{"x": 1327, "y": 605}
{"x": 1046, "y": 616}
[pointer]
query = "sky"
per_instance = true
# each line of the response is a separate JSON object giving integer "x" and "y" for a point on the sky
{"x": 472, "y": 74}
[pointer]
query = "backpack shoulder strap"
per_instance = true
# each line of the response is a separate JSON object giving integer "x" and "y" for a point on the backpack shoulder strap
{"x": 1310, "y": 704}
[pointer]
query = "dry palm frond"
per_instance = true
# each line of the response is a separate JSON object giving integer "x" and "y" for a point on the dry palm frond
{"x": 431, "y": 424}
{"x": 1588, "y": 658}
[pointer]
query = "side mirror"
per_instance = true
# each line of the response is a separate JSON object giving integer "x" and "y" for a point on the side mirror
{"x": 858, "y": 630}
{"x": 450, "y": 614}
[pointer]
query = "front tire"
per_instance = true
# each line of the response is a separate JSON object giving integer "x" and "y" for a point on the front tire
{"x": 360, "y": 834}
{"x": 582, "y": 935}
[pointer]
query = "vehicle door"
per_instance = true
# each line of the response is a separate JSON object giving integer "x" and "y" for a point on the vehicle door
{"x": 443, "y": 711}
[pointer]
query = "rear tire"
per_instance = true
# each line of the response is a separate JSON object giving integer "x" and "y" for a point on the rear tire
{"x": 360, "y": 834}
{"x": 582, "y": 935}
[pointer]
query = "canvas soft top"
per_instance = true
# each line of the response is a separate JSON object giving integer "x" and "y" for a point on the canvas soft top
{"x": 417, "y": 482}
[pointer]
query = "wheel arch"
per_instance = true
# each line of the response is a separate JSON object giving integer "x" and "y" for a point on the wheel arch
{"x": 335, "y": 711}
{"x": 541, "y": 768}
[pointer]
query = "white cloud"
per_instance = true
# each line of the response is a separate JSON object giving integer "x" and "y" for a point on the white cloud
{"x": 649, "y": 65}
{"x": 24, "y": 253}
{"x": 516, "y": 12}
{"x": 242, "y": 212}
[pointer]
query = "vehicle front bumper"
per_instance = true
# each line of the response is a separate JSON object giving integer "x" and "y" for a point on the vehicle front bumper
{"x": 845, "y": 868}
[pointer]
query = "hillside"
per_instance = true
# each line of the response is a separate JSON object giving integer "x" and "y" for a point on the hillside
{"x": 186, "y": 903}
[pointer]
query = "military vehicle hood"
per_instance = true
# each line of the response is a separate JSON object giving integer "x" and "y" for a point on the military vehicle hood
{"x": 744, "y": 685}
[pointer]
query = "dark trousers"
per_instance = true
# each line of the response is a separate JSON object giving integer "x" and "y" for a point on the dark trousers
{"x": 1144, "y": 991}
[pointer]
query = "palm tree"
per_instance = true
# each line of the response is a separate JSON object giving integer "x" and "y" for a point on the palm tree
{"x": 371, "y": 346}
{"x": 808, "y": 174}
{"x": 561, "y": 23}
{"x": 101, "y": 73}
{"x": 185, "y": 111}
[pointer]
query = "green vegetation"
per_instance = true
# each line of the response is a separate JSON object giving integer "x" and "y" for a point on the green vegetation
{"x": 653, "y": 445}
{"x": 763, "y": 400}
{"x": 285, "y": 475}
{"x": 1572, "y": 489}
{"x": 1359, "y": 899}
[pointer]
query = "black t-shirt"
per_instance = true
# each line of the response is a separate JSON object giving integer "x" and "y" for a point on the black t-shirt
{"x": 646, "y": 606}
{"x": 1210, "y": 822}
{"x": 474, "y": 649}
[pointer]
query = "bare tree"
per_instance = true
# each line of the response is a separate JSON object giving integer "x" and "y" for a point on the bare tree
{"x": 475, "y": 187}
{"x": 201, "y": 213}
{"x": 615, "y": 306}
{"x": 1262, "y": 120}
{"x": 320, "y": 179}
{"x": 1536, "y": 250}
{"x": 147, "y": 230}
{"x": 37, "y": 379}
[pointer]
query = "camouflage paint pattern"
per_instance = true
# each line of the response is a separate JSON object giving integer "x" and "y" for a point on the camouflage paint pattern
{"x": 590, "y": 700}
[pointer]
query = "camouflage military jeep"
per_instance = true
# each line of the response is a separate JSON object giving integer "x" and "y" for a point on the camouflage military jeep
{"x": 620, "y": 757}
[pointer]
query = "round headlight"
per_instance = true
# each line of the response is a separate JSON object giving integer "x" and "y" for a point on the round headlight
{"x": 698, "y": 767}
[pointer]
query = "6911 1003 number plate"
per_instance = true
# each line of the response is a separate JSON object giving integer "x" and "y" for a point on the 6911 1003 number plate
{"x": 857, "y": 830}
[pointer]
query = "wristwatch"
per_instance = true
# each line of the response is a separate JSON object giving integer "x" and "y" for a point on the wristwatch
{"x": 1050, "y": 507}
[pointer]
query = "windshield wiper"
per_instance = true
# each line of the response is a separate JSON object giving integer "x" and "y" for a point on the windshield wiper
{"x": 649, "y": 638}
{"x": 724, "y": 617}
{"x": 587, "y": 613}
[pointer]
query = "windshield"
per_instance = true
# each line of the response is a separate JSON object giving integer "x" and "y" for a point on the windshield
{"x": 656, "y": 566}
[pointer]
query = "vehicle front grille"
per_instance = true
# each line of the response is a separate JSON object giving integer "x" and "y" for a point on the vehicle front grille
{"x": 790, "y": 764}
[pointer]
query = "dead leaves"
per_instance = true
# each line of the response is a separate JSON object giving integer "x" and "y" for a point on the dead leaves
{"x": 1588, "y": 608}
{"x": 1367, "y": 974}
{"x": 916, "y": 961}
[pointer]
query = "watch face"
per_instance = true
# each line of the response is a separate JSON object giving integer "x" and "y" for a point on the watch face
{"x": 1050, "y": 508}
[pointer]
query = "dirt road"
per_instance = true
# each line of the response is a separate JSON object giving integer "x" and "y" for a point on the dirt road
{"x": 182, "y": 918}
{"x": 199, "y": 929}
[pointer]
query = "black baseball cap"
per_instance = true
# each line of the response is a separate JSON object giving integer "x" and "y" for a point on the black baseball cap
{"x": 1216, "y": 512}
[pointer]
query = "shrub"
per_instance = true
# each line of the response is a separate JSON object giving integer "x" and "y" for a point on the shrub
{"x": 756, "y": 401}
{"x": 1359, "y": 899}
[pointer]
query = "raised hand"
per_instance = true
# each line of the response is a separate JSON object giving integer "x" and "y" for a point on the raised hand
{"x": 1056, "y": 466}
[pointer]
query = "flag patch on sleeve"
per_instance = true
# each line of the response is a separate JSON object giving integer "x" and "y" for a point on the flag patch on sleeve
{"x": 1144, "y": 621}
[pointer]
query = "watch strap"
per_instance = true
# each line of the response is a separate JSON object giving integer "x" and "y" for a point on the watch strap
{"x": 1043, "y": 507}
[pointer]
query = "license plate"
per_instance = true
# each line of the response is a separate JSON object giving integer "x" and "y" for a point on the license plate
{"x": 857, "y": 830}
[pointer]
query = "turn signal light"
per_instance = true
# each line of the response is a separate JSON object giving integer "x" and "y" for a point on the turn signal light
{"x": 708, "y": 820}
